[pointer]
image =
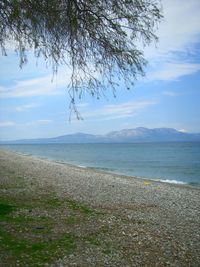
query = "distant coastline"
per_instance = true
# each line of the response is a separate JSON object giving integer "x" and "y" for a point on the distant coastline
{"x": 137, "y": 135}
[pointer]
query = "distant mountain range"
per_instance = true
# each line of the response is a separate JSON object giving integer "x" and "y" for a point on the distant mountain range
{"x": 136, "y": 135}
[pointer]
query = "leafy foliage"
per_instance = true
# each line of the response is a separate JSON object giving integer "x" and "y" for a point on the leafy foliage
{"x": 5, "y": 209}
{"x": 96, "y": 38}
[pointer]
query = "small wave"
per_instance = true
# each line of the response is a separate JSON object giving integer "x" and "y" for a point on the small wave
{"x": 82, "y": 166}
{"x": 172, "y": 181}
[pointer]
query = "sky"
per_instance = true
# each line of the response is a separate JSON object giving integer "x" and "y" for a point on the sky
{"x": 32, "y": 106}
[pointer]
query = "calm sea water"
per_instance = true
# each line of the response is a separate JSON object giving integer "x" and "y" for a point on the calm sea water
{"x": 170, "y": 162}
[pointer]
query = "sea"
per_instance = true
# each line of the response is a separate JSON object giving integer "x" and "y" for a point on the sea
{"x": 173, "y": 162}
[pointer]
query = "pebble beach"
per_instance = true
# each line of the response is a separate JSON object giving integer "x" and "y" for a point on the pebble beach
{"x": 149, "y": 223}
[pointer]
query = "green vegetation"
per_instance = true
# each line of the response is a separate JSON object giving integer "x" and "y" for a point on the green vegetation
{"x": 30, "y": 239}
{"x": 74, "y": 205}
{"x": 93, "y": 239}
{"x": 5, "y": 209}
{"x": 38, "y": 228}
{"x": 28, "y": 253}
{"x": 70, "y": 220}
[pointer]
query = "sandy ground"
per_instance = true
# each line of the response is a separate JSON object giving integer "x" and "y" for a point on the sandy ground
{"x": 169, "y": 234}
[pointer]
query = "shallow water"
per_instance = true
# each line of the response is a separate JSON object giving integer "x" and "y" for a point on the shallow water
{"x": 170, "y": 162}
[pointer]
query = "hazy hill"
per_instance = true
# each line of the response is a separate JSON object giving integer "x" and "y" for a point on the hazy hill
{"x": 139, "y": 134}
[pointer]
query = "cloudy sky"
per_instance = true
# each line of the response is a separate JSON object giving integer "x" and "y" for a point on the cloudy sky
{"x": 32, "y": 106}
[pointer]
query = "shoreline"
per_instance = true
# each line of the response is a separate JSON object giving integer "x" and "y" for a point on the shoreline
{"x": 111, "y": 220}
{"x": 99, "y": 176}
{"x": 102, "y": 170}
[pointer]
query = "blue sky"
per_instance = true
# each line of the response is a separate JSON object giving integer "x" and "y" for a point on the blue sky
{"x": 32, "y": 106}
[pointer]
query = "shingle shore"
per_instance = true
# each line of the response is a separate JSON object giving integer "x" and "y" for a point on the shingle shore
{"x": 171, "y": 212}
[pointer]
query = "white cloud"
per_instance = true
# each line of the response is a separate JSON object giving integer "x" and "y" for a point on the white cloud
{"x": 37, "y": 86}
{"x": 82, "y": 105}
{"x": 38, "y": 122}
{"x": 179, "y": 30}
{"x": 44, "y": 121}
{"x": 178, "y": 34}
{"x": 7, "y": 124}
{"x": 170, "y": 93}
{"x": 183, "y": 131}
{"x": 32, "y": 123}
{"x": 173, "y": 71}
{"x": 26, "y": 107}
{"x": 117, "y": 111}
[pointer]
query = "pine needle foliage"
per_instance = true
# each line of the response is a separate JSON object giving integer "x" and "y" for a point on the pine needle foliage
{"x": 97, "y": 39}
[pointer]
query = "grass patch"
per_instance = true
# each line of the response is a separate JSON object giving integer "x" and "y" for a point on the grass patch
{"x": 34, "y": 254}
{"x": 37, "y": 227}
{"x": 54, "y": 202}
{"x": 5, "y": 208}
{"x": 32, "y": 240}
{"x": 107, "y": 248}
{"x": 74, "y": 205}
{"x": 17, "y": 219}
{"x": 72, "y": 220}
{"x": 93, "y": 240}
